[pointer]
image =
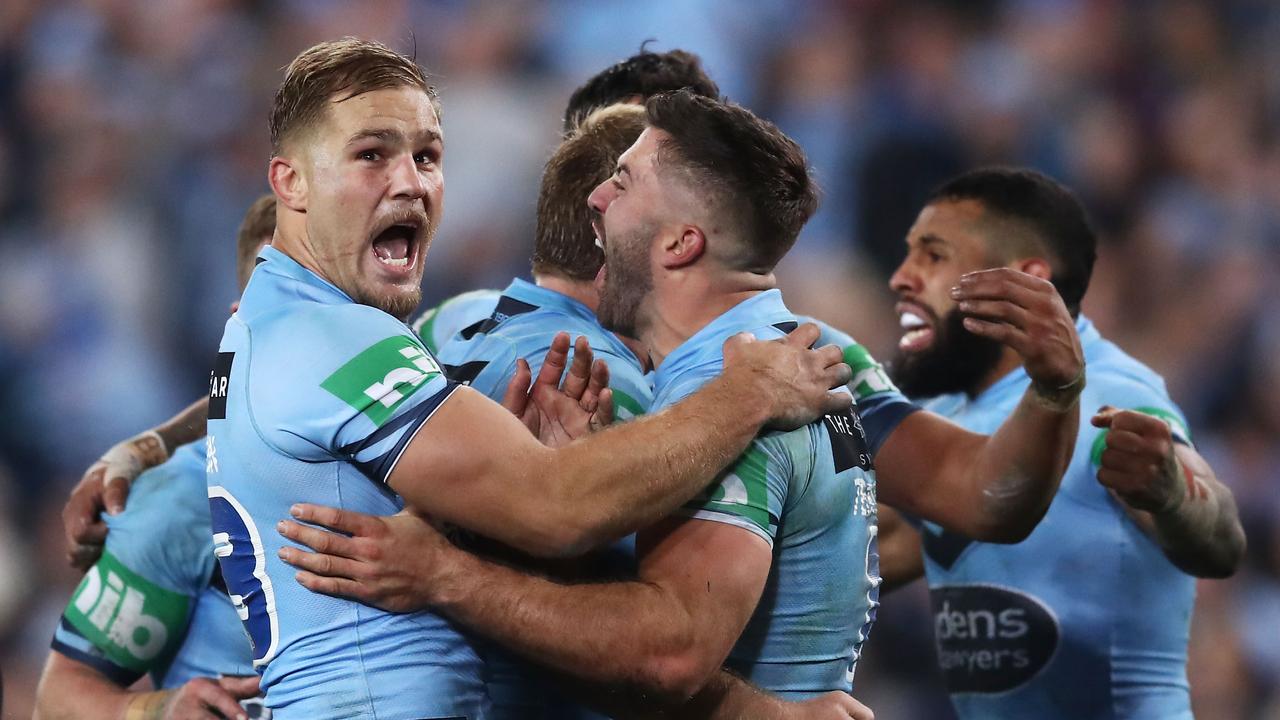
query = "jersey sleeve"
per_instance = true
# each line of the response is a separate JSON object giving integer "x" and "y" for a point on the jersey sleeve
{"x": 881, "y": 405}
{"x": 751, "y": 493}
{"x": 344, "y": 382}
{"x": 1132, "y": 394}
{"x": 129, "y": 615}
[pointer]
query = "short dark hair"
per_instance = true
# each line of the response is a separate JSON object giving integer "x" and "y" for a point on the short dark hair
{"x": 564, "y": 241}
{"x": 350, "y": 66}
{"x": 753, "y": 174}
{"x": 644, "y": 74}
{"x": 259, "y": 222}
{"x": 1048, "y": 209}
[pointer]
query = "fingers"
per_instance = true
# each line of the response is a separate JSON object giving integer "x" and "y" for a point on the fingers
{"x": 803, "y": 336}
{"x": 326, "y": 565}
{"x": 333, "y": 586}
{"x": 322, "y": 541}
{"x": 241, "y": 687}
{"x": 599, "y": 381}
{"x": 516, "y": 398}
{"x": 115, "y": 492}
{"x": 1103, "y": 417}
{"x": 837, "y": 402}
{"x": 211, "y": 695}
{"x": 579, "y": 377}
{"x": 603, "y": 415}
{"x": 1000, "y": 282}
{"x": 838, "y": 375}
{"x": 1141, "y": 424}
{"x": 83, "y": 556}
{"x": 347, "y": 521}
{"x": 999, "y": 310}
{"x": 554, "y": 363}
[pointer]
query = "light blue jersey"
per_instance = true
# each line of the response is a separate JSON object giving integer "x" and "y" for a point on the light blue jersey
{"x": 155, "y": 603}
{"x": 313, "y": 399}
{"x": 522, "y": 324}
{"x": 439, "y": 324}
{"x": 811, "y": 495}
{"x": 1086, "y": 618}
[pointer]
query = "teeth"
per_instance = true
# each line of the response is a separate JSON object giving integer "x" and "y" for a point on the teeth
{"x": 911, "y": 321}
{"x": 394, "y": 262}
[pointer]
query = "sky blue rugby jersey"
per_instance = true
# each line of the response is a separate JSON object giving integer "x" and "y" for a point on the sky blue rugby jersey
{"x": 439, "y": 324}
{"x": 1086, "y": 618}
{"x": 155, "y": 603}
{"x": 809, "y": 493}
{"x": 312, "y": 399}
{"x": 522, "y": 324}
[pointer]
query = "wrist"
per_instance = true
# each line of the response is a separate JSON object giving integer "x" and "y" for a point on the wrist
{"x": 454, "y": 574}
{"x": 1179, "y": 478}
{"x": 1060, "y": 398}
{"x": 147, "y": 706}
{"x": 750, "y": 394}
{"x": 150, "y": 448}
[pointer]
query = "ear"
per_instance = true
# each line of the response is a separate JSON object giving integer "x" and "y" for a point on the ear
{"x": 684, "y": 249}
{"x": 1039, "y": 267}
{"x": 235, "y": 305}
{"x": 287, "y": 183}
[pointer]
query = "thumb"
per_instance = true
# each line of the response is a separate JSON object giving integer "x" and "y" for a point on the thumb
{"x": 240, "y": 686}
{"x": 1104, "y": 417}
{"x": 115, "y": 490}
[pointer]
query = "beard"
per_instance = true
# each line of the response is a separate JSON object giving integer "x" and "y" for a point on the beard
{"x": 398, "y": 305}
{"x": 957, "y": 361}
{"x": 627, "y": 282}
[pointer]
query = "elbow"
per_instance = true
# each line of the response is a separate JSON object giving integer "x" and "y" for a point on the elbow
{"x": 1223, "y": 564}
{"x": 672, "y": 678}
{"x": 1006, "y": 528}
{"x": 552, "y": 533}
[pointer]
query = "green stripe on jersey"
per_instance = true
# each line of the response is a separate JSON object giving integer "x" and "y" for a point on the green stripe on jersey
{"x": 133, "y": 621}
{"x": 628, "y": 403}
{"x": 742, "y": 491}
{"x": 1176, "y": 426}
{"x": 869, "y": 377}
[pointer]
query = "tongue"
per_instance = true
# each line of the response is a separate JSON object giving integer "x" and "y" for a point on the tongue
{"x": 391, "y": 248}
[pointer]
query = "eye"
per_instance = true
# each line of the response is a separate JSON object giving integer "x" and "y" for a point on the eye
{"x": 368, "y": 155}
{"x": 425, "y": 158}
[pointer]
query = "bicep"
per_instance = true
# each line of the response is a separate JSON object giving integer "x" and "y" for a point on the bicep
{"x": 473, "y": 464}
{"x": 71, "y": 689}
{"x": 923, "y": 467}
{"x": 716, "y": 571}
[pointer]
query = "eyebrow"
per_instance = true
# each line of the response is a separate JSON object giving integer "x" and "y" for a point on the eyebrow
{"x": 622, "y": 169}
{"x": 932, "y": 240}
{"x": 387, "y": 135}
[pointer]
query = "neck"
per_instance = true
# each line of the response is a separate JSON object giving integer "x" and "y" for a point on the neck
{"x": 584, "y": 291}
{"x": 690, "y": 302}
{"x": 294, "y": 243}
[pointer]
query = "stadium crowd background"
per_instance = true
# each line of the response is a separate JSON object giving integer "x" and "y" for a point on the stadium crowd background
{"x": 133, "y": 137}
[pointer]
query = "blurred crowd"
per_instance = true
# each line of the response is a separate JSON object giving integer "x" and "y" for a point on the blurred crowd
{"x": 133, "y": 137}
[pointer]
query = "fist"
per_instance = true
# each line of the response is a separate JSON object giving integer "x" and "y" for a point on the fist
{"x": 1138, "y": 461}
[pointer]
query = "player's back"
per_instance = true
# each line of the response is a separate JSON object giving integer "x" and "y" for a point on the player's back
{"x": 809, "y": 493}
{"x": 313, "y": 399}
{"x": 437, "y": 325}
{"x": 1084, "y": 618}
{"x": 522, "y": 325}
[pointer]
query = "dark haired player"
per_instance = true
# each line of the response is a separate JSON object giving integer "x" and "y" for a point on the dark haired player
{"x": 1089, "y": 616}
{"x": 774, "y": 567}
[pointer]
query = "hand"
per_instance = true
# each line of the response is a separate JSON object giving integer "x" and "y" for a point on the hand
{"x": 831, "y": 706}
{"x": 394, "y": 562}
{"x": 793, "y": 382}
{"x": 200, "y": 699}
{"x": 105, "y": 485}
{"x": 1027, "y": 314}
{"x": 1139, "y": 463}
{"x": 558, "y": 414}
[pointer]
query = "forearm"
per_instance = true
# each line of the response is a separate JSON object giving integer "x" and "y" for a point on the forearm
{"x": 71, "y": 691}
{"x": 1016, "y": 471}
{"x": 185, "y": 427}
{"x": 1202, "y": 533}
{"x": 632, "y": 475}
{"x": 729, "y": 697}
{"x": 616, "y": 634}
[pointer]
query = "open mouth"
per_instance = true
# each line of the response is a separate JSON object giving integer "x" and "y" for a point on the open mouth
{"x": 918, "y": 327}
{"x": 397, "y": 245}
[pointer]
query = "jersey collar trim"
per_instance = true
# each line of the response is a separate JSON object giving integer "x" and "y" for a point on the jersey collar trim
{"x": 278, "y": 263}
{"x": 757, "y": 311}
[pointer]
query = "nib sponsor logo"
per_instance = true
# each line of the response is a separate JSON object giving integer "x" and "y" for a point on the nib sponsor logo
{"x": 991, "y": 639}
{"x": 131, "y": 619}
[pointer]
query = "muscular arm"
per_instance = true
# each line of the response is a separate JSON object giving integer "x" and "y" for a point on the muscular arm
{"x": 473, "y": 464}
{"x": 71, "y": 690}
{"x": 990, "y": 488}
{"x": 185, "y": 427}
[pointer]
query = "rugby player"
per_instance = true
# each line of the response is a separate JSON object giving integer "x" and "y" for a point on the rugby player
{"x": 322, "y": 394}
{"x": 1089, "y": 616}
{"x": 769, "y": 568}
{"x": 155, "y": 603}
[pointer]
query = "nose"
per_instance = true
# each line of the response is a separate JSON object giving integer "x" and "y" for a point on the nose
{"x": 905, "y": 279}
{"x": 407, "y": 179}
{"x": 600, "y": 198}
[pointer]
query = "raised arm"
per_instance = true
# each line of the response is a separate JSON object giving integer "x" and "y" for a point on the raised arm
{"x": 1171, "y": 492}
{"x": 474, "y": 465}
{"x": 996, "y": 488}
